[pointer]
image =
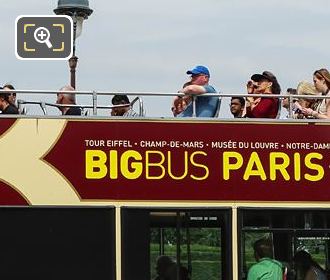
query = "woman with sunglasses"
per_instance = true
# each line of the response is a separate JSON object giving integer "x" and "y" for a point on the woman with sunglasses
{"x": 11, "y": 95}
{"x": 321, "y": 80}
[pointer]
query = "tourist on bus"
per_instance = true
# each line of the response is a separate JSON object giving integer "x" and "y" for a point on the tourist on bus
{"x": 125, "y": 111}
{"x": 306, "y": 268}
{"x": 5, "y": 106}
{"x": 205, "y": 106}
{"x": 237, "y": 106}
{"x": 266, "y": 267}
{"x": 263, "y": 107}
{"x": 11, "y": 95}
{"x": 321, "y": 80}
{"x": 180, "y": 104}
{"x": 286, "y": 102}
{"x": 64, "y": 98}
{"x": 306, "y": 88}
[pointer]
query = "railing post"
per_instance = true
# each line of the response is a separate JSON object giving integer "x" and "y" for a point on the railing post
{"x": 19, "y": 106}
{"x": 290, "y": 107}
{"x": 141, "y": 108}
{"x": 194, "y": 105}
{"x": 43, "y": 107}
{"x": 94, "y": 103}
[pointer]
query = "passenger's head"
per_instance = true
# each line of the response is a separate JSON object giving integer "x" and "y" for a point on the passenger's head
{"x": 321, "y": 79}
{"x": 4, "y": 99}
{"x": 266, "y": 83}
{"x": 306, "y": 88}
{"x": 285, "y": 101}
{"x": 237, "y": 105}
{"x": 11, "y": 95}
{"x": 303, "y": 261}
{"x": 65, "y": 98}
{"x": 200, "y": 75}
{"x": 263, "y": 248}
{"x": 162, "y": 265}
{"x": 120, "y": 100}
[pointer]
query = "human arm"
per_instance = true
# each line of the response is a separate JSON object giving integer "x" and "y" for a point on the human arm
{"x": 264, "y": 108}
{"x": 193, "y": 89}
{"x": 179, "y": 104}
{"x": 317, "y": 115}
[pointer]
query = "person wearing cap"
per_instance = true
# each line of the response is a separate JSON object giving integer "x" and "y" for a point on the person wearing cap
{"x": 286, "y": 101}
{"x": 64, "y": 98}
{"x": 321, "y": 79}
{"x": 263, "y": 107}
{"x": 199, "y": 84}
{"x": 5, "y": 106}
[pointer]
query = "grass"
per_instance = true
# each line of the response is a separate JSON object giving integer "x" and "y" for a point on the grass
{"x": 205, "y": 260}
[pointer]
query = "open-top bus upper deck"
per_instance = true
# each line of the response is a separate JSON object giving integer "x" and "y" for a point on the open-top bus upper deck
{"x": 127, "y": 190}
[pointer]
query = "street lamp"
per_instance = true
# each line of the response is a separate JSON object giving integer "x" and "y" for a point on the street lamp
{"x": 78, "y": 10}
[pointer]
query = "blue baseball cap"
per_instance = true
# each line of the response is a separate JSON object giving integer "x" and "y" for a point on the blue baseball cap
{"x": 199, "y": 70}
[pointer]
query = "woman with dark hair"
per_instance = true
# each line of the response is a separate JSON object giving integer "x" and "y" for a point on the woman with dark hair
{"x": 321, "y": 80}
{"x": 263, "y": 107}
{"x": 306, "y": 268}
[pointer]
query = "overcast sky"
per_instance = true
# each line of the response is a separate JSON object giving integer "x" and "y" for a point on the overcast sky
{"x": 148, "y": 45}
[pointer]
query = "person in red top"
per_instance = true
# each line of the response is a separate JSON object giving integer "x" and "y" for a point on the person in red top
{"x": 263, "y": 107}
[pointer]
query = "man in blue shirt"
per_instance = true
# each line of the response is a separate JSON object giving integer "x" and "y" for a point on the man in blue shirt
{"x": 199, "y": 84}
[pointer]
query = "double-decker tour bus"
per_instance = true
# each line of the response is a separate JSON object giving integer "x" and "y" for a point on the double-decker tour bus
{"x": 102, "y": 198}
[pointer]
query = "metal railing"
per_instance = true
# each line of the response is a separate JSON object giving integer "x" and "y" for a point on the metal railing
{"x": 139, "y": 101}
{"x": 95, "y": 106}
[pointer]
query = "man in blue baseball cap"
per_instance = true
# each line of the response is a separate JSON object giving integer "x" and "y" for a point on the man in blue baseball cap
{"x": 198, "y": 85}
{"x": 199, "y": 69}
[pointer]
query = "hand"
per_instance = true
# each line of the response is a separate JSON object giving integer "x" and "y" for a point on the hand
{"x": 307, "y": 111}
{"x": 250, "y": 87}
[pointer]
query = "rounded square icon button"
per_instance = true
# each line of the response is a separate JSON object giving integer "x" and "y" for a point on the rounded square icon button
{"x": 44, "y": 37}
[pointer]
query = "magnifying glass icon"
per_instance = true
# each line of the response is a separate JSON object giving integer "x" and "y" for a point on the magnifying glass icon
{"x": 41, "y": 35}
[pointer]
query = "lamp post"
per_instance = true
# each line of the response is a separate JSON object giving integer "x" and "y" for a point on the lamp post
{"x": 78, "y": 10}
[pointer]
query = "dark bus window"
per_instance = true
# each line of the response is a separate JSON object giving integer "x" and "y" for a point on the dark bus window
{"x": 289, "y": 231}
{"x": 57, "y": 243}
{"x": 197, "y": 241}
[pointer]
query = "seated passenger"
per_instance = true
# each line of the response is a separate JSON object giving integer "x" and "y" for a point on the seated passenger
{"x": 286, "y": 102}
{"x": 262, "y": 107}
{"x": 321, "y": 80}
{"x": 266, "y": 267}
{"x": 163, "y": 264}
{"x": 199, "y": 84}
{"x": 306, "y": 268}
{"x": 181, "y": 104}
{"x": 125, "y": 111}
{"x": 237, "y": 107}
{"x": 68, "y": 99}
{"x": 5, "y": 106}
{"x": 306, "y": 88}
{"x": 11, "y": 95}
